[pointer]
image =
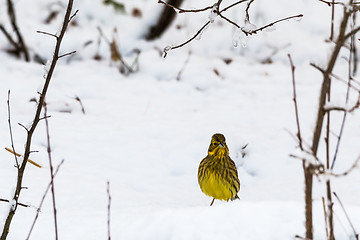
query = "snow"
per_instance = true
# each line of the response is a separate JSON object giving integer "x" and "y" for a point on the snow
{"x": 146, "y": 133}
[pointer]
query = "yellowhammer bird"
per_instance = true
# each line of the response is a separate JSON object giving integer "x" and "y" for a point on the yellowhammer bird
{"x": 217, "y": 174}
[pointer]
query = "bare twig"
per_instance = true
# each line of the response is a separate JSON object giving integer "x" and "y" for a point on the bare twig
{"x": 247, "y": 16}
{"x": 356, "y": 235}
{"x": 352, "y": 167}
{"x": 325, "y": 215}
{"x": 49, "y": 34}
{"x": 272, "y": 24}
{"x": 295, "y": 103}
{"x": 36, "y": 121}
{"x": 20, "y": 204}
{"x": 332, "y": 3}
{"x": 180, "y": 10}
{"x": 332, "y": 20}
{"x": 346, "y": 101}
{"x": 168, "y": 48}
{"x": 178, "y": 77}
{"x": 338, "y": 77}
{"x": 108, "y": 208}
{"x": 72, "y": 16}
{"x": 308, "y": 168}
{"x": 21, "y": 44}
{"x": 48, "y": 149}
{"x": 10, "y": 131}
{"x": 302, "y": 238}
{"x": 8, "y": 36}
{"x": 67, "y": 54}
{"x": 43, "y": 198}
{"x": 81, "y": 105}
{"x": 233, "y": 5}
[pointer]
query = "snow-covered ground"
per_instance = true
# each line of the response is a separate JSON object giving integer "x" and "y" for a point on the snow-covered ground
{"x": 146, "y": 133}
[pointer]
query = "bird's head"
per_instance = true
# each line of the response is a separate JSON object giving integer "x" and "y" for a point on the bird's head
{"x": 218, "y": 146}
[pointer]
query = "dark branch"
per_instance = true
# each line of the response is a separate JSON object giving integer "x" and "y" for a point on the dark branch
{"x": 180, "y": 10}
{"x": 49, "y": 34}
{"x": 20, "y": 204}
{"x": 272, "y": 24}
{"x": 295, "y": 103}
{"x": 168, "y": 48}
{"x": 10, "y": 131}
{"x": 36, "y": 120}
{"x": 67, "y": 54}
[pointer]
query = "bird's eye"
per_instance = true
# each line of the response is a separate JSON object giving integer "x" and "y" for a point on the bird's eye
{"x": 215, "y": 143}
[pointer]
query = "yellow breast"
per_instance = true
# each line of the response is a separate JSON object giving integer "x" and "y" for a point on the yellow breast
{"x": 214, "y": 186}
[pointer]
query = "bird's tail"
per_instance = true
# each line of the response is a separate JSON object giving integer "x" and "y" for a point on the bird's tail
{"x": 236, "y": 197}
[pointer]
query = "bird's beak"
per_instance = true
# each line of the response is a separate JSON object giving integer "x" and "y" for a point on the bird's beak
{"x": 222, "y": 145}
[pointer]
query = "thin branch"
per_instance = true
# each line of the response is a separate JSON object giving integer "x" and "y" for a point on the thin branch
{"x": 356, "y": 235}
{"x": 108, "y": 209}
{"x": 72, "y": 16}
{"x": 49, "y": 34}
{"x": 45, "y": 117}
{"x": 352, "y": 32}
{"x": 21, "y": 43}
{"x": 247, "y": 16}
{"x": 180, "y": 10}
{"x": 42, "y": 199}
{"x": 355, "y": 164}
{"x": 67, "y": 54}
{"x": 21, "y": 125}
{"x": 178, "y": 77}
{"x": 272, "y": 24}
{"x": 346, "y": 101}
{"x": 295, "y": 103}
{"x": 36, "y": 121}
{"x": 232, "y": 5}
{"x": 332, "y": 3}
{"x": 325, "y": 215}
{"x": 337, "y": 77}
{"x": 231, "y": 22}
{"x": 10, "y": 131}
{"x": 345, "y": 110}
{"x": 48, "y": 149}
{"x": 332, "y": 20}
{"x": 8, "y": 36}
{"x": 20, "y": 204}
{"x": 168, "y": 48}
{"x": 81, "y": 105}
